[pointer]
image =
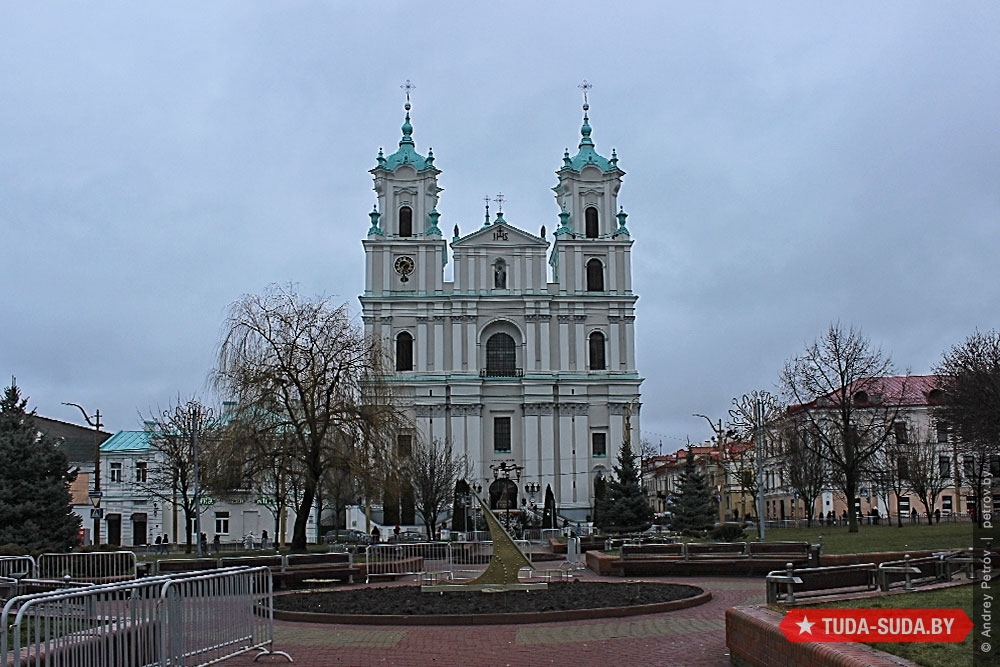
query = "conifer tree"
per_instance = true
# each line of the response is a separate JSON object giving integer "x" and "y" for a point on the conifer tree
{"x": 692, "y": 503}
{"x": 36, "y": 511}
{"x": 625, "y": 509}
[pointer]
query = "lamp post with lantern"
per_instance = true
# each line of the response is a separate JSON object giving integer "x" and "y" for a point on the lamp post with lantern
{"x": 506, "y": 470}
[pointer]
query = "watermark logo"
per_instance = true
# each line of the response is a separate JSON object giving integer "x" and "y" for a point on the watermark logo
{"x": 876, "y": 625}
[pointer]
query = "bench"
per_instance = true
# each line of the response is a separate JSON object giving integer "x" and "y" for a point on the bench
{"x": 910, "y": 571}
{"x": 813, "y": 582}
{"x": 800, "y": 554}
{"x": 172, "y": 565}
{"x": 715, "y": 550}
{"x": 298, "y": 568}
{"x": 634, "y": 551}
{"x": 273, "y": 562}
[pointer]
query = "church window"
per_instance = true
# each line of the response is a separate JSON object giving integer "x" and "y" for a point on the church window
{"x": 404, "y": 444}
{"x": 500, "y": 274}
{"x": 595, "y": 276}
{"x": 406, "y": 221}
{"x": 501, "y": 434}
{"x": 590, "y": 222}
{"x": 501, "y": 356}
{"x": 599, "y": 442}
{"x": 404, "y": 351}
{"x": 597, "y": 351}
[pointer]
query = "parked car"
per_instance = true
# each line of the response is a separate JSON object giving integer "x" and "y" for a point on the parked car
{"x": 347, "y": 536}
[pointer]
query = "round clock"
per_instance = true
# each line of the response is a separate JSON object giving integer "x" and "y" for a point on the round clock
{"x": 404, "y": 267}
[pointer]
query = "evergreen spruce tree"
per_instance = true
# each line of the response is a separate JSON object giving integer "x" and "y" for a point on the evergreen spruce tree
{"x": 36, "y": 511}
{"x": 692, "y": 504}
{"x": 625, "y": 509}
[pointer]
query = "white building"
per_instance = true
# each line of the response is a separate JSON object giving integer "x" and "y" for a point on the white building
{"x": 135, "y": 513}
{"x": 526, "y": 357}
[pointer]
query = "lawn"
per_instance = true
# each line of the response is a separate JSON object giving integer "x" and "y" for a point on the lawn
{"x": 931, "y": 654}
{"x": 836, "y": 539}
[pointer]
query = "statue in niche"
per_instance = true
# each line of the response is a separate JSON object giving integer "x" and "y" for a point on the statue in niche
{"x": 500, "y": 274}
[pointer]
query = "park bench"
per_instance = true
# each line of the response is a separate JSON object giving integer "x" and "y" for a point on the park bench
{"x": 641, "y": 551}
{"x": 909, "y": 571}
{"x": 813, "y": 582}
{"x": 298, "y": 568}
{"x": 172, "y": 565}
{"x": 723, "y": 550}
{"x": 798, "y": 553}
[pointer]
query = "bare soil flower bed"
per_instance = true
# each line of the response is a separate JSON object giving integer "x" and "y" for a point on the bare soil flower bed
{"x": 410, "y": 601}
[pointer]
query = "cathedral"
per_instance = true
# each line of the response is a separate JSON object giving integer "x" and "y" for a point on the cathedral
{"x": 525, "y": 361}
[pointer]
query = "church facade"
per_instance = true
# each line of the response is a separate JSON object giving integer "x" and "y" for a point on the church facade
{"x": 525, "y": 360}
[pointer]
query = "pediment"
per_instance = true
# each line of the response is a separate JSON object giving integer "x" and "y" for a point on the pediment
{"x": 499, "y": 235}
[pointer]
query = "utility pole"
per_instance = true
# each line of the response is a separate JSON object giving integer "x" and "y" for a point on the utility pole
{"x": 96, "y": 511}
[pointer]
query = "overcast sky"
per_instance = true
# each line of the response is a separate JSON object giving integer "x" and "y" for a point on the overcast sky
{"x": 787, "y": 165}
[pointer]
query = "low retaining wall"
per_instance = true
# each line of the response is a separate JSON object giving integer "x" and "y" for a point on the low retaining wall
{"x": 754, "y": 640}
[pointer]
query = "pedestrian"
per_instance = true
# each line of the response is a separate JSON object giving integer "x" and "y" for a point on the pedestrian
{"x": 843, "y": 517}
{"x": 248, "y": 541}
{"x": 165, "y": 544}
{"x": 913, "y": 515}
{"x": 937, "y": 516}
{"x": 395, "y": 532}
{"x": 203, "y": 542}
{"x": 157, "y": 543}
{"x": 375, "y": 534}
{"x": 264, "y": 540}
{"x": 217, "y": 543}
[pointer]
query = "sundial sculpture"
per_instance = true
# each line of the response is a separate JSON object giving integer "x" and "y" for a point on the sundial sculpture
{"x": 506, "y": 562}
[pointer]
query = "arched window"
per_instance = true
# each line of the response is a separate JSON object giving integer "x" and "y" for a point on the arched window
{"x": 406, "y": 221}
{"x": 597, "y": 351}
{"x": 404, "y": 351}
{"x": 595, "y": 276}
{"x": 590, "y": 222}
{"x": 501, "y": 356}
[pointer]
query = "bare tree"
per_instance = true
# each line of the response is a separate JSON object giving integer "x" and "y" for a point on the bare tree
{"x": 889, "y": 473}
{"x": 802, "y": 466}
{"x": 970, "y": 403}
{"x": 175, "y": 435}
{"x": 840, "y": 390}
{"x": 309, "y": 366}
{"x": 432, "y": 469}
{"x": 927, "y": 477}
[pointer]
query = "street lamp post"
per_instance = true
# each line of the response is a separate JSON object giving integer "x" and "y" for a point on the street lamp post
{"x": 96, "y": 510}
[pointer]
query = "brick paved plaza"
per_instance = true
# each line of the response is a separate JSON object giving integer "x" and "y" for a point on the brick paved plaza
{"x": 692, "y": 637}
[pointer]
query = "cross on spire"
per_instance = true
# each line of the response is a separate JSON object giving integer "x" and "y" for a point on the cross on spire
{"x": 500, "y": 200}
{"x": 585, "y": 86}
{"x": 487, "y": 200}
{"x": 408, "y": 87}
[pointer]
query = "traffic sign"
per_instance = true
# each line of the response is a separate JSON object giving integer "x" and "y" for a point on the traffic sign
{"x": 97, "y": 513}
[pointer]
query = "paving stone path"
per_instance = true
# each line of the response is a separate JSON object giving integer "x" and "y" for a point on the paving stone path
{"x": 690, "y": 637}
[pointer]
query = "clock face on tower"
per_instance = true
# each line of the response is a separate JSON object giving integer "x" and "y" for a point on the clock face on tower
{"x": 404, "y": 267}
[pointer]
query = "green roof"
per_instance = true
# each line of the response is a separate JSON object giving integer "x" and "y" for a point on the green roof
{"x": 127, "y": 441}
{"x": 587, "y": 154}
{"x": 407, "y": 152}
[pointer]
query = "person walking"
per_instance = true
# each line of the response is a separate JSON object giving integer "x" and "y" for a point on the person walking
{"x": 264, "y": 544}
{"x": 375, "y": 534}
{"x": 157, "y": 544}
{"x": 217, "y": 543}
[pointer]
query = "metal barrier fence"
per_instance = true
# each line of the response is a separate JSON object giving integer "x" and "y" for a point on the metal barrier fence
{"x": 22, "y": 566}
{"x": 414, "y": 558}
{"x": 97, "y": 567}
{"x": 185, "y": 619}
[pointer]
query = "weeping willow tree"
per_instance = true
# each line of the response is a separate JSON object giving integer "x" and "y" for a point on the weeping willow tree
{"x": 323, "y": 385}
